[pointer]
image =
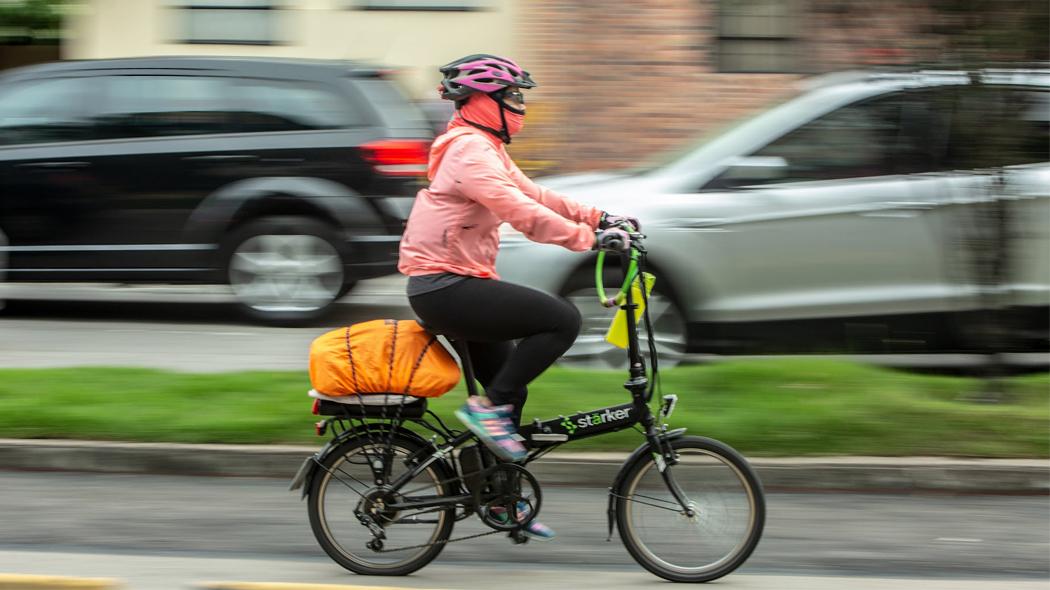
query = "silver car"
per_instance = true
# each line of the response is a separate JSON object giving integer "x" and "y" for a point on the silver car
{"x": 851, "y": 218}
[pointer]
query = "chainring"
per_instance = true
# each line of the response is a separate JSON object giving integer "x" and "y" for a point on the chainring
{"x": 509, "y": 499}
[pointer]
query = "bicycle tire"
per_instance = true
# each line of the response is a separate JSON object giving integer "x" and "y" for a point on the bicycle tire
{"x": 321, "y": 521}
{"x": 706, "y": 456}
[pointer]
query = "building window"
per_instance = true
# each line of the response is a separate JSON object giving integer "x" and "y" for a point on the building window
{"x": 421, "y": 5}
{"x": 758, "y": 36}
{"x": 229, "y": 22}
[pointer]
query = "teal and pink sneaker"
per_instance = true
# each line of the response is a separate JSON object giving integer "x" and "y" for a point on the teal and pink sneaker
{"x": 493, "y": 426}
{"x": 535, "y": 529}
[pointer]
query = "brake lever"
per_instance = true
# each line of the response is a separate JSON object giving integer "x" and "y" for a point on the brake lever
{"x": 636, "y": 241}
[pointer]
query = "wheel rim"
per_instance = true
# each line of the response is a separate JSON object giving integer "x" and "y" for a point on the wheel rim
{"x": 719, "y": 531}
{"x": 591, "y": 350}
{"x": 286, "y": 273}
{"x": 349, "y": 485}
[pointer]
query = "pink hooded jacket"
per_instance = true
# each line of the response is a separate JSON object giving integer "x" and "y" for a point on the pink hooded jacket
{"x": 474, "y": 187}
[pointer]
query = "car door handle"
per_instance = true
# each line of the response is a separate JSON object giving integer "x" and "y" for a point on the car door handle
{"x": 699, "y": 224}
{"x": 54, "y": 165}
{"x": 911, "y": 205}
{"x": 222, "y": 158}
{"x": 898, "y": 209}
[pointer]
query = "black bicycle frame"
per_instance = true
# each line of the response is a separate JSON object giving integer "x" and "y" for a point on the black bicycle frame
{"x": 543, "y": 435}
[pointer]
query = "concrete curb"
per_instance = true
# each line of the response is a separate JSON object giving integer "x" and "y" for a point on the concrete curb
{"x": 1003, "y": 476}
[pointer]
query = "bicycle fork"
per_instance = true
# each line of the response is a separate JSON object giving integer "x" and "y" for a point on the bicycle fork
{"x": 658, "y": 445}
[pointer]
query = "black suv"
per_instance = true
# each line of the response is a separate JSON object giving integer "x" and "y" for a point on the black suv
{"x": 287, "y": 179}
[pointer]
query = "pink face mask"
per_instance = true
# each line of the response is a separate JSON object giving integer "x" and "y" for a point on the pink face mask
{"x": 483, "y": 110}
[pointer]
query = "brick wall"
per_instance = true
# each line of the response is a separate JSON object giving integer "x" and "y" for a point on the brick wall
{"x": 622, "y": 81}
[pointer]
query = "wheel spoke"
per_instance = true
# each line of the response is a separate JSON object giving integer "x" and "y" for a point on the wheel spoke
{"x": 363, "y": 485}
{"x": 713, "y": 538}
{"x": 346, "y": 491}
{"x": 318, "y": 264}
{"x": 286, "y": 272}
{"x": 658, "y": 307}
{"x": 593, "y": 351}
{"x": 253, "y": 263}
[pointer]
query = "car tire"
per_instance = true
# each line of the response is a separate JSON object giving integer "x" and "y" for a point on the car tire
{"x": 591, "y": 351}
{"x": 285, "y": 270}
{"x": 3, "y": 265}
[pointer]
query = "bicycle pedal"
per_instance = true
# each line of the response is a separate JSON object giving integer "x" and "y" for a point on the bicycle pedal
{"x": 518, "y": 537}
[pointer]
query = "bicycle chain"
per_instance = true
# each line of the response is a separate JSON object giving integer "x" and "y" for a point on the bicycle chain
{"x": 444, "y": 542}
{"x": 459, "y": 478}
{"x": 447, "y": 541}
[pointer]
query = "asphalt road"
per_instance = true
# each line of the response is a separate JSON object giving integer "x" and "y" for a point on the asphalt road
{"x": 194, "y": 528}
{"x": 196, "y": 328}
{"x": 179, "y": 328}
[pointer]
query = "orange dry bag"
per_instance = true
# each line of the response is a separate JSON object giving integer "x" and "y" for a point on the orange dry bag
{"x": 381, "y": 356}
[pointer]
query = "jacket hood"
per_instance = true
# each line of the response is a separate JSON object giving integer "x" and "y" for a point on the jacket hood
{"x": 457, "y": 126}
{"x": 440, "y": 147}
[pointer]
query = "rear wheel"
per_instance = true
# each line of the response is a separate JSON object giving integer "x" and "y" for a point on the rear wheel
{"x": 346, "y": 489}
{"x": 728, "y": 507}
{"x": 286, "y": 269}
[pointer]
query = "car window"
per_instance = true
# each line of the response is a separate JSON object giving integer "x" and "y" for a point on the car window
{"x": 391, "y": 104}
{"x": 855, "y": 141}
{"x": 158, "y": 106}
{"x": 999, "y": 126}
{"x": 46, "y": 111}
{"x": 922, "y": 140}
{"x": 1033, "y": 126}
{"x": 274, "y": 105}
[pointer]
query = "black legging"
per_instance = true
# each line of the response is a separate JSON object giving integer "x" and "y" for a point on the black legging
{"x": 489, "y": 315}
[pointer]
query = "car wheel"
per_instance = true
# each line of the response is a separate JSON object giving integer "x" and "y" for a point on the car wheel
{"x": 3, "y": 265}
{"x": 592, "y": 351}
{"x": 286, "y": 270}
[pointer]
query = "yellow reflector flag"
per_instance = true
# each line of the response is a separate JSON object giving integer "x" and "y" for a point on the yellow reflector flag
{"x": 617, "y": 334}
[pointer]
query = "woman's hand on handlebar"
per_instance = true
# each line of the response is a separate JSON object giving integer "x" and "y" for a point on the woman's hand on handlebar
{"x": 612, "y": 239}
{"x": 630, "y": 224}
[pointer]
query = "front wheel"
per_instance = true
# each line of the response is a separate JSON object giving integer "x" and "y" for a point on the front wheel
{"x": 728, "y": 512}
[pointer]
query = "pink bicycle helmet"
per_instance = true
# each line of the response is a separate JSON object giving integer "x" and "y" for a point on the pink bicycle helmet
{"x": 481, "y": 73}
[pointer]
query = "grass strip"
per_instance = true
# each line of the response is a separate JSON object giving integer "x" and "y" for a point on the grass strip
{"x": 766, "y": 408}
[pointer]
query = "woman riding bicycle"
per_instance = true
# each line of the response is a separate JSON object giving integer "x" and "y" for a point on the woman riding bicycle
{"x": 450, "y": 244}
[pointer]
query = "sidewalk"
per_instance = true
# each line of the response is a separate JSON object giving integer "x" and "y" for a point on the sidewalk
{"x": 997, "y": 476}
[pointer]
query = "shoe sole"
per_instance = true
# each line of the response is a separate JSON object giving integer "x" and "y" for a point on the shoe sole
{"x": 485, "y": 438}
{"x": 540, "y": 538}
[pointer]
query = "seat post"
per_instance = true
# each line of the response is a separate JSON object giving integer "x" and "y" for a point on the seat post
{"x": 468, "y": 367}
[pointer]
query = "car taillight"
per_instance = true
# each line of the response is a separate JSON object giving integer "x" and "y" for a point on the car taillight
{"x": 398, "y": 157}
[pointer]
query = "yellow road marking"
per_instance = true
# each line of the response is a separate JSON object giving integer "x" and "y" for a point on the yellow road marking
{"x": 28, "y": 582}
{"x": 291, "y": 586}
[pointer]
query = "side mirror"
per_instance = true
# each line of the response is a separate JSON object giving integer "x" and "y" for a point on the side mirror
{"x": 745, "y": 170}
